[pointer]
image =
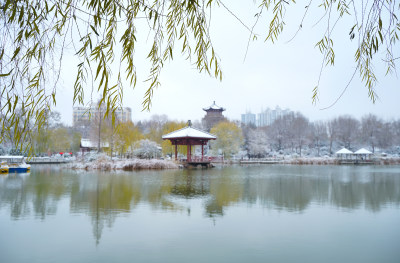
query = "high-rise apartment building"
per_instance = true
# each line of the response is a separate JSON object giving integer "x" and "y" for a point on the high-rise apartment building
{"x": 84, "y": 114}
{"x": 249, "y": 118}
{"x": 265, "y": 117}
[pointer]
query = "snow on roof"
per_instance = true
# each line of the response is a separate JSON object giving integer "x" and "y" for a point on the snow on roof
{"x": 344, "y": 151}
{"x": 363, "y": 151}
{"x": 87, "y": 143}
{"x": 214, "y": 107}
{"x": 189, "y": 132}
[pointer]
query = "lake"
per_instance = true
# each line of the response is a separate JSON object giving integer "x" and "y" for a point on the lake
{"x": 261, "y": 213}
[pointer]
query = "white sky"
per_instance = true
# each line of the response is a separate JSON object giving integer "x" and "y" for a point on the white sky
{"x": 281, "y": 74}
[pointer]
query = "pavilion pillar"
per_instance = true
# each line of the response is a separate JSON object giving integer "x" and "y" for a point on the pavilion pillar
{"x": 188, "y": 152}
{"x": 176, "y": 152}
{"x": 202, "y": 151}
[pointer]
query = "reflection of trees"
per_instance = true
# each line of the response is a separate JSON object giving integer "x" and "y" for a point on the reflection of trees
{"x": 47, "y": 193}
{"x": 345, "y": 187}
{"x": 353, "y": 189}
{"x": 23, "y": 190}
{"x": 13, "y": 194}
{"x": 226, "y": 188}
{"x": 287, "y": 193}
{"x": 103, "y": 197}
{"x": 106, "y": 196}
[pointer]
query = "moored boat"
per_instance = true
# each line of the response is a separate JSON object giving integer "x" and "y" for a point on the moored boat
{"x": 14, "y": 164}
{"x": 4, "y": 167}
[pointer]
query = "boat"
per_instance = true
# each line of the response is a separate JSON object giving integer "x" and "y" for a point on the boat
{"x": 15, "y": 164}
{"x": 3, "y": 167}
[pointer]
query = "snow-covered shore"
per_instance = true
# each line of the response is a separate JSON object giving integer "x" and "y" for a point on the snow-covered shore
{"x": 104, "y": 163}
{"x": 319, "y": 161}
{"x": 334, "y": 161}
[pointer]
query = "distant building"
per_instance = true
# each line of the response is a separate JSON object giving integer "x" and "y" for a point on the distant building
{"x": 265, "y": 117}
{"x": 84, "y": 114}
{"x": 249, "y": 119}
{"x": 84, "y": 117}
{"x": 268, "y": 116}
{"x": 213, "y": 116}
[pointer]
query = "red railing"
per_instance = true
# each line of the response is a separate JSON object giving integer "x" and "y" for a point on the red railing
{"x": 199, "y": 159}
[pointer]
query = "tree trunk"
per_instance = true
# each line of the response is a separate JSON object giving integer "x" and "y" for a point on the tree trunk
{"x": 99, "y": 142}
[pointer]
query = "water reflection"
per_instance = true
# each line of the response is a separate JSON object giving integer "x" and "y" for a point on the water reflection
{"x": 105, "y": 196}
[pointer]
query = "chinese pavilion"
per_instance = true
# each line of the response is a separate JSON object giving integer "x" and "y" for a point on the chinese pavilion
{"x": 190, "y": 136}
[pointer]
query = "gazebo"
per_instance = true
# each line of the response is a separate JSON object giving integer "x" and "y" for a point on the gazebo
{"x": 190, "y": 136}
{"x": 344, "y": 153}
{"x": 363, "y": 153}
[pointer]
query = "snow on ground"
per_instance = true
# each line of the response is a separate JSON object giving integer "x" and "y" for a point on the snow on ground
{"x": 104, "y": 162}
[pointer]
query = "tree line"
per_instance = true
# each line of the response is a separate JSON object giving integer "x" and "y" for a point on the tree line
{"x": 288, "y": 134}
{"x": 295, "y": 134}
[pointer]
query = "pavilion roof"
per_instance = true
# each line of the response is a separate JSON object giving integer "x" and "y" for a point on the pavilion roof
{"x": 363, "y": 151}
{"x": 214, "y": 107}
{"x": 189, "y": 132}
{"x": 344, "y": 151}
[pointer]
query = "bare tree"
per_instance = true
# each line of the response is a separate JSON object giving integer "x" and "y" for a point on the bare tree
{"x": 278, "y": 132}
{"x": 347, "y": 130}
{"x": 257, "y": 144}
{"x": 384, "y": 137}
{"x": 318, "y": 132}
{"x": 101, "y": 128}
{"x": 371, "y": 126}
{"x": 300, "y": 130}
{"x": 396, "y": 132}
{"x": 332, "y": 132}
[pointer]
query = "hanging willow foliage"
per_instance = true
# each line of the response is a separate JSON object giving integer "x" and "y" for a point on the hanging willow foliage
{"x": 35, "y": 33}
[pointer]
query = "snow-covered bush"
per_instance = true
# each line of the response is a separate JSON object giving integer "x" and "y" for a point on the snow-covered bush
{"x": 127, "y": 165}
{"x": 147, "y": 149}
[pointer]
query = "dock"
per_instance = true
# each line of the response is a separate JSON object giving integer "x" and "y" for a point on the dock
{"x": 258, "y": 162}
{"x": 195, "y": 164}
{"x": 268, "y": 161}
{"x": 357, "y": 162}
{"x": 47, "y": 160}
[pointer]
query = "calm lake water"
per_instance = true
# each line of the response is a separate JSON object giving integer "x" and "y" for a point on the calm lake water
{"x": 268, "y": 213}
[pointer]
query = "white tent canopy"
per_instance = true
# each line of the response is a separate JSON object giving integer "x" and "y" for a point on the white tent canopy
{"x": 344, "y": 151}
{"x": 363, "y": 151}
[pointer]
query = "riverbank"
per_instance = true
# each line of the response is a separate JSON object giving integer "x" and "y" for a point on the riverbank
{"x": 105, "y": 164}
{"x": 322, "y": 161}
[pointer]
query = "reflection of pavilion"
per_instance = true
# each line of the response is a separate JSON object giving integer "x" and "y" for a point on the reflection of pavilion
{"x": 190, "y": 136}
{"x": 190, "y": 184}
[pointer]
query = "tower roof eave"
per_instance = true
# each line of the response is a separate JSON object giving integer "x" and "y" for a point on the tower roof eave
{"x": 214, "y": 107}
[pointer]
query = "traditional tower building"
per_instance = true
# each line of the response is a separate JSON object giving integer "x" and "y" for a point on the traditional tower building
{"x": 213, "y": 116}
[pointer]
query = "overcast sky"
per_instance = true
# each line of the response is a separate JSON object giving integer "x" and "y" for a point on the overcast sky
{"x": 283, "y": 73}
